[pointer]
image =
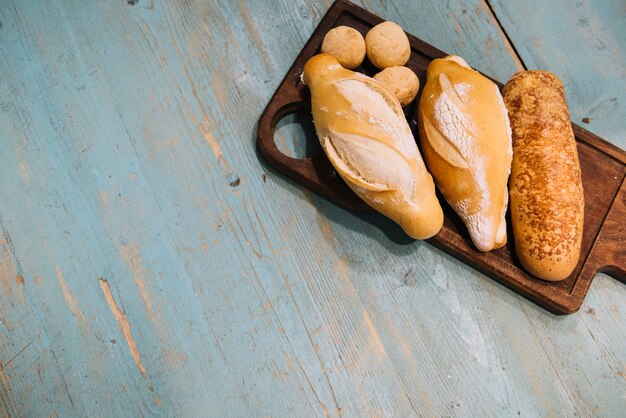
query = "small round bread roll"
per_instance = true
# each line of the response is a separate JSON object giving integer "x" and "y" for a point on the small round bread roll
{"x": 387, "y": 45}
{"x": 346, "y": 45}
{"x": 400, "y": 81}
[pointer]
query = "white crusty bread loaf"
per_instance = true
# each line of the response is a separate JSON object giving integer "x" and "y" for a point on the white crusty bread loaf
{"x": 466, "y": 141}
{"x": 366, "y": 137}
{"x": 547, "y": 202}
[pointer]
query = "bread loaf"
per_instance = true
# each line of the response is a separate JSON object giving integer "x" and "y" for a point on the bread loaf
{"x": 466, "y": 141}
{"x": 366, "y": 137}
{"x": 547, "y": 202}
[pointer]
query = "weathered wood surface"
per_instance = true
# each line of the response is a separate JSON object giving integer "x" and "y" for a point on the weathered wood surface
{"x": 150, "y": 264}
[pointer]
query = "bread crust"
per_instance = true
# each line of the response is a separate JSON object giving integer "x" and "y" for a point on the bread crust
{"x": 466, "y": 141}
{"x": 387, "y": 45}
{"x": 546, "y": 192}
{"x": 366, "y": 137}
{"x": 401, "y": 81}
{"x": 346, "y": 44}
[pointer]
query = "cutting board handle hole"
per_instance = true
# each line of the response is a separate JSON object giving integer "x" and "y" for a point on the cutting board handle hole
{"x": 295, "y": 136}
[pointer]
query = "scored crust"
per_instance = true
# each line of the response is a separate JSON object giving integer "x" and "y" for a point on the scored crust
{"x": 366, "y": 137}
{"x": 466, "y": 141}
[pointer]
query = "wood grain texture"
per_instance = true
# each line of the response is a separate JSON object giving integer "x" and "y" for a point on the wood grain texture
{"x": 594, "y": 81}
{"x": 126, "y": 154}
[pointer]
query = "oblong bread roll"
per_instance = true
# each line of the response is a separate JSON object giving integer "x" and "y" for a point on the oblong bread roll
{"x": 366, "y": 137}
{"x": 546, "y": 192}
{"x": 466, "y": 141}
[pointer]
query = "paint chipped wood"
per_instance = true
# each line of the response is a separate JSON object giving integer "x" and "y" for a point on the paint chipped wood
{"x": 123, "y": 127}
{"x": 124, "y": 325}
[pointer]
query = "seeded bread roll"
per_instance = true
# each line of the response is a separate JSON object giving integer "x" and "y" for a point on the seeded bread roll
{"x": 366, "y": 137}
{"x": 466, "y": 141}
{"x": 547, "y": 202}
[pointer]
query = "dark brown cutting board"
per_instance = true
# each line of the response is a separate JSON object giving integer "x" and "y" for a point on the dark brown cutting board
{"x": 603, "y": 171}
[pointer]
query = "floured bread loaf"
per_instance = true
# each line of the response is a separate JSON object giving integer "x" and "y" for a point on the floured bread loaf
{"x": 368, "y": 140}
{"x": 466, "y": 141}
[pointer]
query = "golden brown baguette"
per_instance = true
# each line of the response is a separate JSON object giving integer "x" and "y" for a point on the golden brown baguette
{"x": 366, "y": 137}
{"x": 547, "y": 202}
{"x": 466, "y": 141}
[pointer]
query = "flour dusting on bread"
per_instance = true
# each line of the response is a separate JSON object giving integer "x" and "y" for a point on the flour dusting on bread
{"x": 366, "y": 137}
{"x": 466, "y": 142}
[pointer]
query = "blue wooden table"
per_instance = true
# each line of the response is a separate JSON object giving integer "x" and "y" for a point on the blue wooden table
{"x": 151, "y": 264}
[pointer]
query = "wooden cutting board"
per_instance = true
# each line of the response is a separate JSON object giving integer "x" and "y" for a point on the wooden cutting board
{"x": 603, "y": 172}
